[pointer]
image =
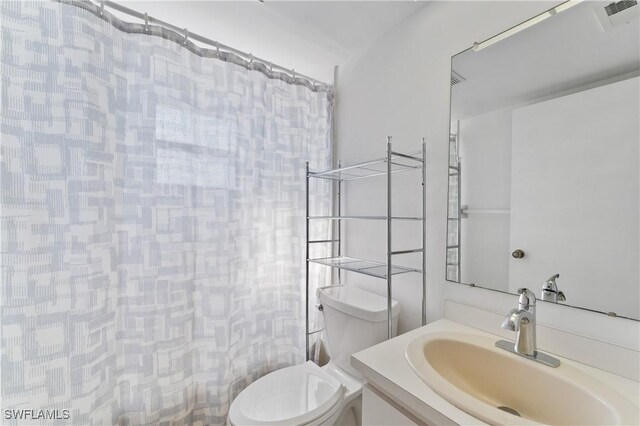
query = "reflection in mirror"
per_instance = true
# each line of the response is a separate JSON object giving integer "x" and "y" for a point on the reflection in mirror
{"x": 544, "y": 184}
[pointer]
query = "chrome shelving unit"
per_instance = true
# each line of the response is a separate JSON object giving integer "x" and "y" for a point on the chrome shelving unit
{"x": 394, "y": 162}
{"x": 454, "y": 213}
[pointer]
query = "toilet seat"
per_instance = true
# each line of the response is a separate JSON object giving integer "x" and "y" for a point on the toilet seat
{"x": 297, "y": 395}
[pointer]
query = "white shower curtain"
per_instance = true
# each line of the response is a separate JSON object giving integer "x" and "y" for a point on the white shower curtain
{"x": 152, "y": 214}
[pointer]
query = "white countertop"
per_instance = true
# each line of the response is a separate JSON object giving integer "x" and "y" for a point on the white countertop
{"x": 385, "y": 367}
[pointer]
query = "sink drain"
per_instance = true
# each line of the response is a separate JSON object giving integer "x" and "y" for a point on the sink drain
{"x": 509, "y": 410}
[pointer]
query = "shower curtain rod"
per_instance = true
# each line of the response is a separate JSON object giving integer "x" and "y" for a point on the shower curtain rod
{"x": 177, "y": 34}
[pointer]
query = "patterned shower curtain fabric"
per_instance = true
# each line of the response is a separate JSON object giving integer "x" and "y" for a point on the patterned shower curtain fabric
{"x": 152, "y": 218}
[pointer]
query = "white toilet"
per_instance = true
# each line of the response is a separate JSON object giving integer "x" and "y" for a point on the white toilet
{"x": 331, "y": 395}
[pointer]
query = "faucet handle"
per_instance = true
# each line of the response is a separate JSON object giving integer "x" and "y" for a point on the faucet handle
{"x": 527, "y": 299}
{"x": 550, "y": 284}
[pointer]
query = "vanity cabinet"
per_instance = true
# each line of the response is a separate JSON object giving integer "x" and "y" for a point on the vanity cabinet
{"x": 377, "y": 410}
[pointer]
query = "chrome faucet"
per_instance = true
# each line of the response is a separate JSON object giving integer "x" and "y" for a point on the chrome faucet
{"x": 522, "y": 320}
{"x": 550, "y": 291}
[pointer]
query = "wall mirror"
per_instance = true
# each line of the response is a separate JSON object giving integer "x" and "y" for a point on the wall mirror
{"x": 544, "y": 159}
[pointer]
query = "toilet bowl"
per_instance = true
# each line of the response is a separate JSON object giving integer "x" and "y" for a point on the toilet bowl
{"x": 331, "y": 395}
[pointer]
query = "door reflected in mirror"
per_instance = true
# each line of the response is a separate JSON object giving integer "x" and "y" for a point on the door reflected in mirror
{"x": 544, "y": 183}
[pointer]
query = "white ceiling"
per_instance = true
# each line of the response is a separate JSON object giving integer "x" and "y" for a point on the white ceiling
{"x": 310, "y": 36}
{"x": 343, "y": 26}
{"x": 566, "y": 52}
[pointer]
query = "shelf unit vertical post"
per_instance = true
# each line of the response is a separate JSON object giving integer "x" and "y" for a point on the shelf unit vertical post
{"x": 306, "y": 305}
{"x": 459, "y": 161}
{"x": 424, "y": 231}
{"x": 339, "y": 183}
{"x": 389, "y": 250}
{"x": 459, "y": 263}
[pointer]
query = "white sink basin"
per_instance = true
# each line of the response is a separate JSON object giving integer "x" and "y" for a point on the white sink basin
{"x": 471, "y": 373}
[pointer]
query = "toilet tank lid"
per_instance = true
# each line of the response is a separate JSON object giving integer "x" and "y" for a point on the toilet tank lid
{"x": 357, "y": 302}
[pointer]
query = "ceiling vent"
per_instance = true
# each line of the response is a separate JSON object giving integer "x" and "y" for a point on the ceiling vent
{"x": 456, "y": 78}
{"x": 616, "y": 13}
{"x": 620, "y": 6}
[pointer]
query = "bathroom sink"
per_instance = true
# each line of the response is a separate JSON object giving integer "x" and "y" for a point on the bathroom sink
{"x": 502, "y": 388}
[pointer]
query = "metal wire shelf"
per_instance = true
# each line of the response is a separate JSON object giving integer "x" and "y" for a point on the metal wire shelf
{"x": 364, "y": 218}
{"x": 362, "y": 266}
{"x": 399, "y": 163}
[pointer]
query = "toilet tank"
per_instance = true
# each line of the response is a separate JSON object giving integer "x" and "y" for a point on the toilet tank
{"x": 355, "y": 319}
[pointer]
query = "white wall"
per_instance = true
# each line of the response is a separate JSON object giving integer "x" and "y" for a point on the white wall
{"x": 485, "y": 148}
{"x": 575, "y": 183}
{"x": 401, "y": 88}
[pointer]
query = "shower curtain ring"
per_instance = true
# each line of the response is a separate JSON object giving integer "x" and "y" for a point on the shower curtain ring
{"x": 146, "y": 22}
{"x": 186, "y": 37}
{"x": 217, "y": 49}
{"x": 250, "y": 59}
{"x": 101, "y": 7}
{"x": 293, "y": 74}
